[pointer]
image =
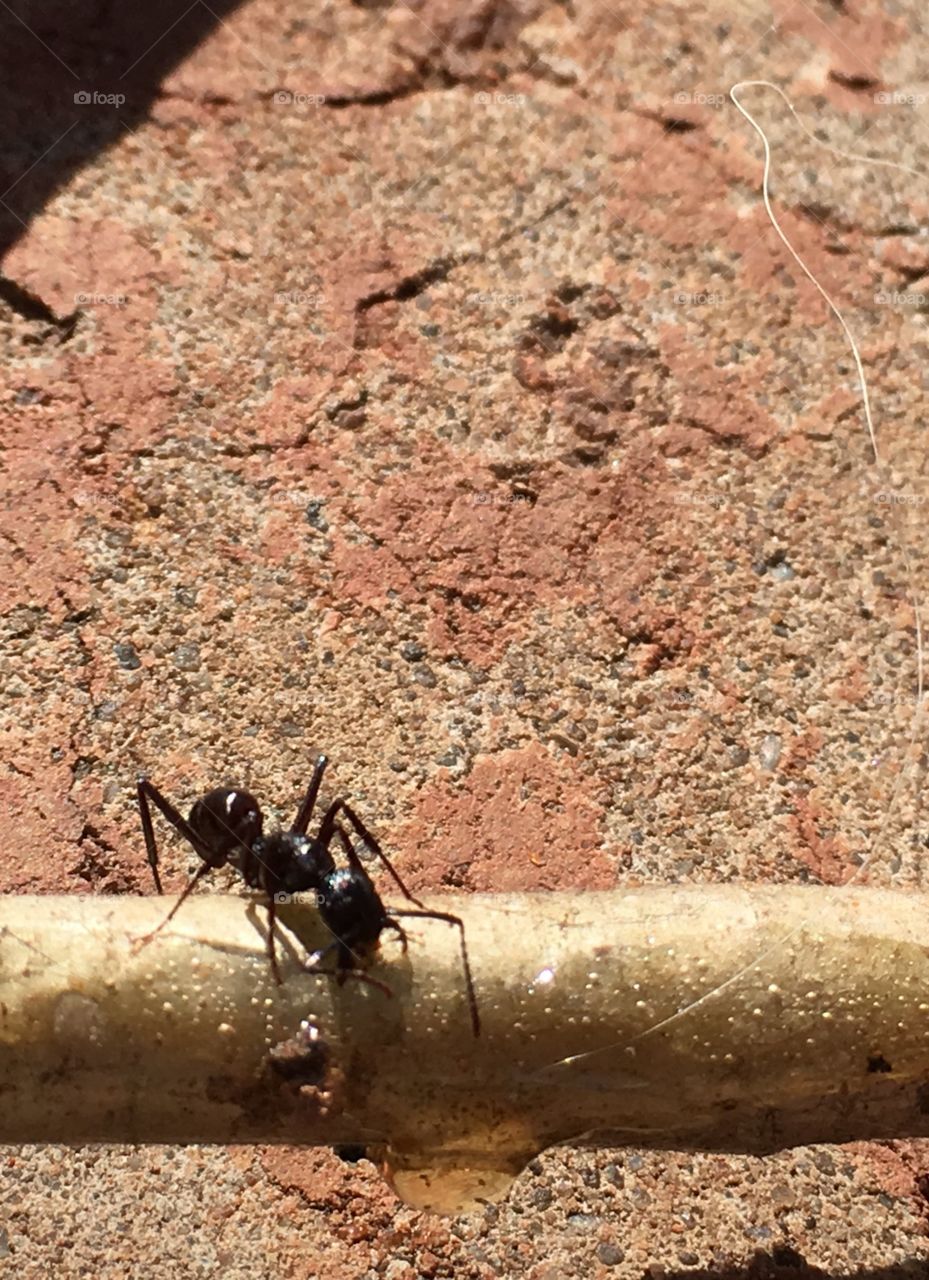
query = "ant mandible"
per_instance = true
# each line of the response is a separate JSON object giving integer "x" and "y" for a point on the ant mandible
{"x": 226, "y": 827}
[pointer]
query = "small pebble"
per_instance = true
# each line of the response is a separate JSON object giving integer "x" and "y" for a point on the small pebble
{"x": 610, "y": 1254}
{"x": 314, "y": 516}
{"x": 770, "y": 751}
{"x": 127, "y": 657}
{"x": 187, "y": 657}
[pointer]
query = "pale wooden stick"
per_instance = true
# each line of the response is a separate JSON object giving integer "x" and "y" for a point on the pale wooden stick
{"x": 737, "y": 1019}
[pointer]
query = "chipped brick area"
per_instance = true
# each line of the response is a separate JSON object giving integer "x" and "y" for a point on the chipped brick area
{"x": 426, "y": 384}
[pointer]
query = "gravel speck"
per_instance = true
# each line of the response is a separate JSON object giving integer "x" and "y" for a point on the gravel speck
{"x": 412, "y": 651}
{"x": 126, "y": 656}
{"x": 610, "y": 1254}
{"x": 314, "y": 516}
{"x": 770, "y": 751}
{"x": 187, "y": 657}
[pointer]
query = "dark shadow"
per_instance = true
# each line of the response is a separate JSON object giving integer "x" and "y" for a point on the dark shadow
{"x": 784, "y": 1263}
{"x": 75, "y": 76}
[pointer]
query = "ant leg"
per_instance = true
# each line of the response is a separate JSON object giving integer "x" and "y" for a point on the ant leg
{"x": 146, "y": 791}
{"x": 342, "y": 972}
{"x": 325, "y": 835}
{"x": 348, "y": 848}
{"x": 148, "y": 831}
{"x": 305, "y": 812}
{"x": 190, "y": 886}
{"x": 361, "y": 976}
{"x": 400, "y": 932}
{"x": 272, "y": 955}
{"x": 465, "y": 962}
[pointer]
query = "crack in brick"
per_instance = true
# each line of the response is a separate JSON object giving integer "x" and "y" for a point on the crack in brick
{"x": 411, "y": 286}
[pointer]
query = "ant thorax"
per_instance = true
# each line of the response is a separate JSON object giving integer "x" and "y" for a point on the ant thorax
{"x": 288, "y": 861}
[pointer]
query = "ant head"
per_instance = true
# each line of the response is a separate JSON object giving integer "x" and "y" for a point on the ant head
{"x": 229, "y": 822}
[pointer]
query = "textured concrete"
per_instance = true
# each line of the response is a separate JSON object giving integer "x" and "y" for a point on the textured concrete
{"x": 426, "y": 383}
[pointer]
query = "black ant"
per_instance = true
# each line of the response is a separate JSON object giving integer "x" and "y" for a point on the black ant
{"x": 225, "y": 827}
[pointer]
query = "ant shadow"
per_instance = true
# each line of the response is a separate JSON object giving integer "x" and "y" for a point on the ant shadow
{"x": 77, "y": 77}
{"x": 785, "y": 1263}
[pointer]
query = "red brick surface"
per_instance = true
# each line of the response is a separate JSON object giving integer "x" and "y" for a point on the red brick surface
{"x": 426, "y": 383}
